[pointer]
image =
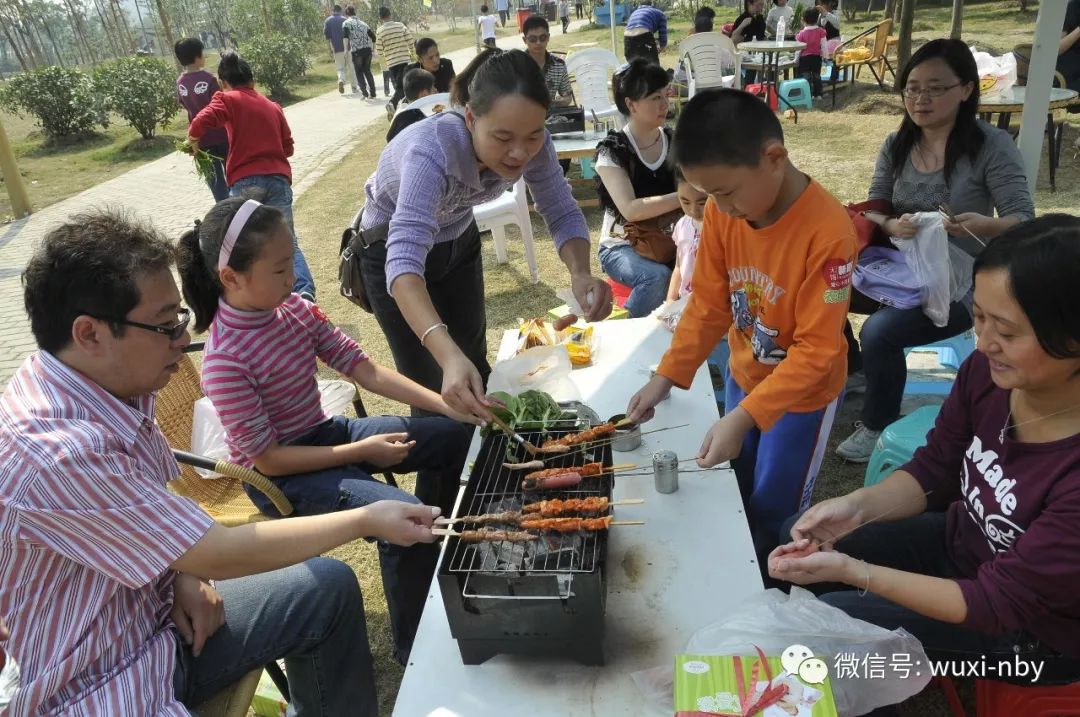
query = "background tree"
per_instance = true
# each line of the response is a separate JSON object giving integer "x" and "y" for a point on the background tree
{"x": 957, "y": 19}
{"x": 903, "y": 37}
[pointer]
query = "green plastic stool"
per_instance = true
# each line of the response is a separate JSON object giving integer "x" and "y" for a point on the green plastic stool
{"x": 898, "y": 442}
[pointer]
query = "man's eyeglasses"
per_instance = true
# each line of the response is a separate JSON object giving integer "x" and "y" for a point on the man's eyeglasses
{"x": 932, "y": 92}
{"x": 534, "y": 39}
{"x": 174, "y": 332}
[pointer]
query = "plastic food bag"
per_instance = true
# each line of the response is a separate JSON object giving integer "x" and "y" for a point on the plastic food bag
{"x": 208, "y": 435}
{"x": 927, "y": 255}
{"x": 579, "y": 341}
{"x": 544, "y": 368}
{"x": 671, "y": 311}
{"x": 996, "y": 74}
{"x": 774, "y": 621}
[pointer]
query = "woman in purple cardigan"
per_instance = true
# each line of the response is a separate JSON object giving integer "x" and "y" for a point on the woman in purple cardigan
{"x": 421, "y": 260}
{"x": 977, "y": 550}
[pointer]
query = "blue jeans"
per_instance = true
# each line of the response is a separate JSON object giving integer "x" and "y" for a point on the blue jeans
{"x": 884, "y": 336}
{"x": 312, "y": 615}
{"x": 278, "y": 194}
{"x": 437, "y": 458}
{"x": 648, "y": 279}
{"x": 219, "y": 187}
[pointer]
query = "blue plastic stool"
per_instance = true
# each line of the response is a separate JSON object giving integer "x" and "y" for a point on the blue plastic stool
{"x": 719, "y": 359}
{"x": 797, "y": 92}
{"x": 898, "y": 442}
{"x": 587, "y": 169}
{"x": 951, "y": 353}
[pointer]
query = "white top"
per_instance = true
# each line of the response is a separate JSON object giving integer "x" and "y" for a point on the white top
{"x": 778, "y": 12}
{"x": 487, "y": 26}
{"x": 689, "y": 565}
{"x": 611, "y": 230}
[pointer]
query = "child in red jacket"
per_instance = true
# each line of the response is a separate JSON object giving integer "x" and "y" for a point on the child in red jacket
{"x": 260, "y": 144}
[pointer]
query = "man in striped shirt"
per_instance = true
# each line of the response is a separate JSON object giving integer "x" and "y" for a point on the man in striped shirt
{"x": 106, "y": 578}
{"x": 394, "y": 43}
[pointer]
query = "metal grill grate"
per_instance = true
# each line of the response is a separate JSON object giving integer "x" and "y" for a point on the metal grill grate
{"x": 493, "y": 488}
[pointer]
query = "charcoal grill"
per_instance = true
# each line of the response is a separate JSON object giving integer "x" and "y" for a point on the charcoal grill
{"x": 544, "y": 598}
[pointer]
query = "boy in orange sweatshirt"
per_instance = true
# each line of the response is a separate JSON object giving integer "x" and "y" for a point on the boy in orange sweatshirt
{"x": 773, "y": 272}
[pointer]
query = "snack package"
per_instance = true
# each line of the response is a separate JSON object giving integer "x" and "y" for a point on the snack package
{"x": 578, "y": 341}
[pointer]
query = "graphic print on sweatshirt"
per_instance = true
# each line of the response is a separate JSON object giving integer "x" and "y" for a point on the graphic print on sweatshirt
{"x": 989, "y": 498}
{"x": 752, "y": 292}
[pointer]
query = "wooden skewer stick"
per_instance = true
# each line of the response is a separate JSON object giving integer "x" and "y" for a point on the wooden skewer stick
{"x": 879, "y": 516}
{"x": 628, "y": 522}
{"x": 529, "y": 447}
{"x": 946, "y": 212}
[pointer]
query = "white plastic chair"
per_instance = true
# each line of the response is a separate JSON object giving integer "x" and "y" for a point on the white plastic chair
{"x": 705, "y": 55}
{"x": 427, "y": 104}
{"x": 593, "y": 68}
{"x": 511, "y": 208}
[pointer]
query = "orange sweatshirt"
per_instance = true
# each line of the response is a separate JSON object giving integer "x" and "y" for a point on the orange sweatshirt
{"x": 781, "y": 293}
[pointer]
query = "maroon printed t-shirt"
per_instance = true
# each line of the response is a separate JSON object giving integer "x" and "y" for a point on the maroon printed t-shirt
{"x": 1013, "y": 512}
{"x": 193, "y": 91}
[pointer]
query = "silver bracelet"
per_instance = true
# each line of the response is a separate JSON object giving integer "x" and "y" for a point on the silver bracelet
{"x": 423, "y": 336}
{"x": 863, "y": 591}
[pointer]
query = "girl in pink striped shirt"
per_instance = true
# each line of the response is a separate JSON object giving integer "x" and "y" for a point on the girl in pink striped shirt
{"x": 259, "y": 371}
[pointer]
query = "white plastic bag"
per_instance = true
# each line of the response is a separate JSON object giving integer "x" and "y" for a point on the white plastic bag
{"x": 670, "y": 312}
{"x": 208, "y": 435}
{"x": 927, "y": 255}
{"x": 774, "y": 621}
{"x": 1001, "y": 69}
{"x": 542, "y": 368}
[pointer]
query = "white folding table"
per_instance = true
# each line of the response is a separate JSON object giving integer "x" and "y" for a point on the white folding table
{"x": 688, "y": 566}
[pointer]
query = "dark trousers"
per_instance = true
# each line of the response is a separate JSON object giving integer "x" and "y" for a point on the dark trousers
{"x": 219, "y": 187}
{"x": 641, "y": 46}
{"x": 437, "y": 458}
{"x": 577, "y": 8}
{"x": 880, "y": 351}
{"x": 489, "y": 41}
{"x": 397, "y": 76}
{"x": 918, "y": 545}
{"x": 810, "y": 68}
{"x": 361, "y": 60}
{"x": 502, "y": 17}
{"x": 386, "y": 82}
{"x": 565, "y": 23}
{"x": 455, "y": 280}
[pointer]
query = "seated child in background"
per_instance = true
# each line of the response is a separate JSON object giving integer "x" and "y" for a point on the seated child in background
{"x": 687, "y": 236}
{"x": 773, "y": 273}
{"x": 810, "y": 57}
{"x": 418, "y": 83}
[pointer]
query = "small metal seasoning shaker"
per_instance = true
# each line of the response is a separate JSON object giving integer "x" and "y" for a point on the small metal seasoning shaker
{"x": 666, "y": 471}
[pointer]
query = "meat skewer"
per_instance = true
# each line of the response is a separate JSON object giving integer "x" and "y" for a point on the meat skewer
{"x": 541, "y": 509}
{"x": 587, "y": 436}
{"x": 574, "y": 525}
{"x": 488, "y": 535}
{"x": 561, "y": 479}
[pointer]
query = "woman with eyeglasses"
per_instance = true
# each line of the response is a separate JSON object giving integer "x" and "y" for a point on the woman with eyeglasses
{"x": 942, "y": 156}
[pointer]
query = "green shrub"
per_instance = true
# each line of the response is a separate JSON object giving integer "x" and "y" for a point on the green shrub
{"x": 276, "y": 61}
{"x": 142, "y": 90}
{"x": 61, "y": 101}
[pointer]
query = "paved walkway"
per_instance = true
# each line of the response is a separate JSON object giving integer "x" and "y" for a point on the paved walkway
{"x": 167, "y": 193}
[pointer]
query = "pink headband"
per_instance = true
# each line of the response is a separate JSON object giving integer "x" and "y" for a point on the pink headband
{"x": 236, "y": 226}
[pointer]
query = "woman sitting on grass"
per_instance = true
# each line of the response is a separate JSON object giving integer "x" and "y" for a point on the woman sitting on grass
{"x": 976, "y": 550}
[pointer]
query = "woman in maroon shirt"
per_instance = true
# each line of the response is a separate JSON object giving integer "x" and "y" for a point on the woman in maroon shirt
{"x": 977, "y": 551}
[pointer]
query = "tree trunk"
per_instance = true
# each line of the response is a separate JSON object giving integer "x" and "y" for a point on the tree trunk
{"x": 903, "y": 38}
{"x": 957, "y": 19}
{"x": 166, "y": 25}
{"x": 123, "y": 30}
{"x": 80, "y": 31}
{"x": 266, "y": 17}
{"x": 106, "y": 28}
{"x": 890, "y": 10}
{"x": 14, "y": 45}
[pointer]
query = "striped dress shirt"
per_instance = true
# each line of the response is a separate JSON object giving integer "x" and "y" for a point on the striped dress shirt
{"x": 88, "y": 531}
{"x": 259, "y": 372}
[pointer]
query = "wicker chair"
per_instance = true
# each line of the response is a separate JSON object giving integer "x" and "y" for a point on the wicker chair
{"x": 222, "y": 498}
{"x": 877, "y": 61}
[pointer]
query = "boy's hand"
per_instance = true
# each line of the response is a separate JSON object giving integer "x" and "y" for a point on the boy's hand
{"x": 724, "y": 440}
{"x": 641, "y": 405}
{"x": 385, "y": 450}
{"x": 400, "y": 523}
